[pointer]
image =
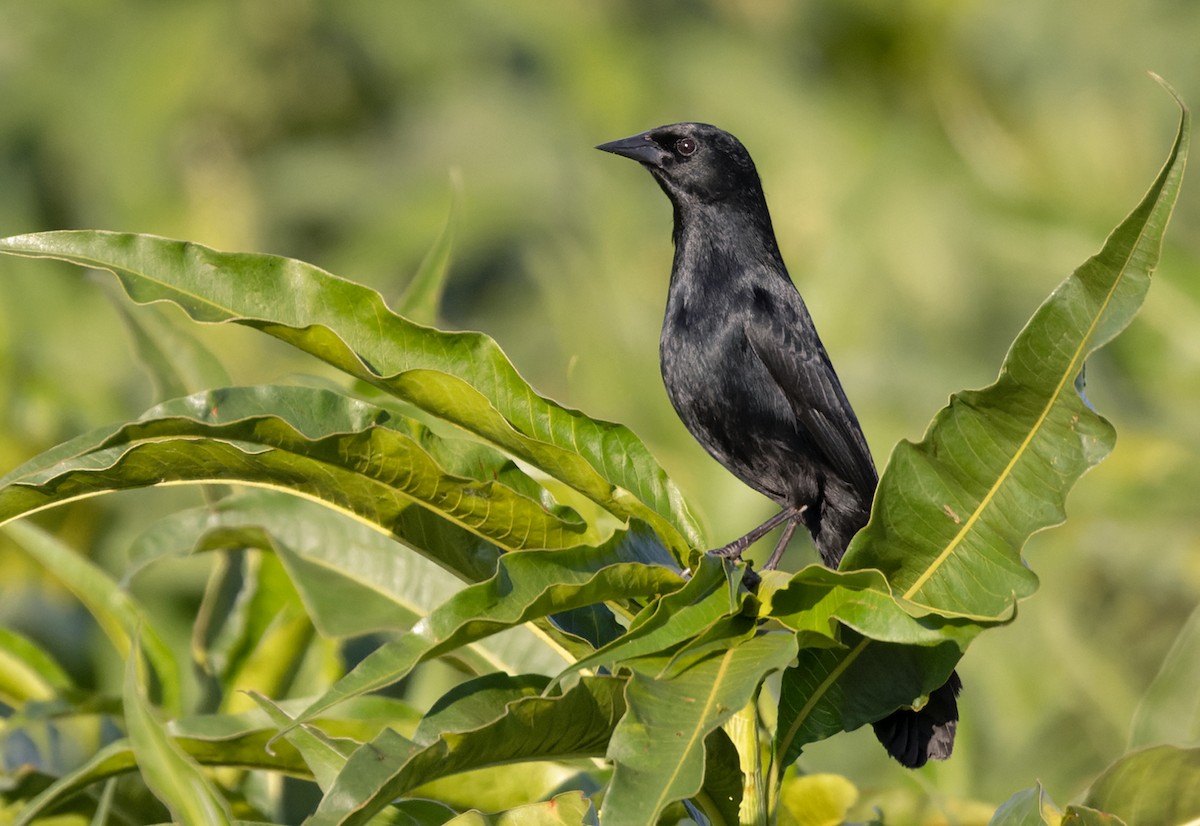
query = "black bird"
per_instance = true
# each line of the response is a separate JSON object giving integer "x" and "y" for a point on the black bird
{"x": 747, "y": 373}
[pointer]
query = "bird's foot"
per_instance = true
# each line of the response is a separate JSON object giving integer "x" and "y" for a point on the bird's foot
{"x": 732, "y": 551}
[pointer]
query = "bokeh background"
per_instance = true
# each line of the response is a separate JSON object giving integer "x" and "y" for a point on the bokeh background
{"x": 934, "y": 169}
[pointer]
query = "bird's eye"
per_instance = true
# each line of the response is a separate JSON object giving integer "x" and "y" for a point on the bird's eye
{"x": 685, "y": 146}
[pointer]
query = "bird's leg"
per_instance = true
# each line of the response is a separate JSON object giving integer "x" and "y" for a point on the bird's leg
{"x": 735, "y": 548}
{"x": 784, "y": 538}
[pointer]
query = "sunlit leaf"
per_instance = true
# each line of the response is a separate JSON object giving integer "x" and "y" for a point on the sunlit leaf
{"x": 463, "y": 378}
{"x": 315, "y": 443}
{"x": 816, "y": 601}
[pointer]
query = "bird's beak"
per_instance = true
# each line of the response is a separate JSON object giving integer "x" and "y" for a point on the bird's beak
{"x": 640, "y": 148}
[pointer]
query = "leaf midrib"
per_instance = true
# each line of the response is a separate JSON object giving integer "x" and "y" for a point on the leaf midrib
{"x": 1072, "y": 369}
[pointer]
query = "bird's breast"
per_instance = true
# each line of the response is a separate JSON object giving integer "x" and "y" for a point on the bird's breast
{"x": 727, "y": 400}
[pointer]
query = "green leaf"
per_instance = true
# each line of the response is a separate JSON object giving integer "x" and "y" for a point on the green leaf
{"x": 251, "y": 632}
{"x": 815, "y": 799}
{"x": 577, "y": 723}
{"x": 423, "y": 294}
{"x": 325, "y": 756}
{"x": 677, "y": 617}
{"x": 27, "y": 672}
{"x": 567, "y": 809}
{"x": 1170, "y": 710}
{"x": 171, "y": 775}
{"x": 658, "y": 747}
{"x": 953, "y": 511}
{"x": 315, "y": 443}
{"x": 216, "y": 740}
{"x": 1086, "y": 816}
{"x": 1028, "y": 807}
{"x": 1158, "y": 786}
{"x": 473, "y": 703}
{"x": 724, "y": 781}
{"x": 526, "y": 586}
{"x": 115, "y": 611}
{"x": 816, "y": 601}
{"x": 176, "y": 361}
{"x": 463, "y": 378}
{"x": 332, "y": 561}
{"x": 833, "y": 690}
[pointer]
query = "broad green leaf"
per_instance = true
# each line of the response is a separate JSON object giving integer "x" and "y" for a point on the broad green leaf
{"x": 118, "y": 758}
{"x": 27, "y": 672}
{"x": 831, "y": 690}
{"x": 333, "y": 561}
{"x": 463, "y": 378}
{"x": 658, "y": 747}
{"x": 1170, "y": 710}
{"x": 414, "y": 813}
{"x": 1158, "y": 786}
{"x": 475, "y": 705}
{"x": 526, "y": 586}
{"x": 577, "y": 723}
{"x": 315, "y": 443}
{"x": 114, "y": 610}
{"x": 171, "y": 775}
{"x": 953, "y": 511}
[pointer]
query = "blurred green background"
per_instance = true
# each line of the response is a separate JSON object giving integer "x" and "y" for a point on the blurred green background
{"x": 933, "y": 168}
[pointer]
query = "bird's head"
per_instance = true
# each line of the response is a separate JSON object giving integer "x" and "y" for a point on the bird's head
{"x": 692, "y": 162}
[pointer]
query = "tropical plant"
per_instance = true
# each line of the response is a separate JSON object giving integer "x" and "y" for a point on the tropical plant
{"x": 535, "y": 566}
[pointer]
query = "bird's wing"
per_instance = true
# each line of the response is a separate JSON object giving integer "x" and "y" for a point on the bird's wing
{"x": 792, "y": 353}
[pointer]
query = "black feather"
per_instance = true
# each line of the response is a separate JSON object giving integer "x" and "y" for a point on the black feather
{"x": 748, "y": 375}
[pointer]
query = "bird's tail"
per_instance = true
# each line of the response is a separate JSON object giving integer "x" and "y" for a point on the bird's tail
{"x": 912, "y": 737}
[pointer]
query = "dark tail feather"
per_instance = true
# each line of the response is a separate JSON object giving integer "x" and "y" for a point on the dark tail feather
{"x": 912, "y": 737}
